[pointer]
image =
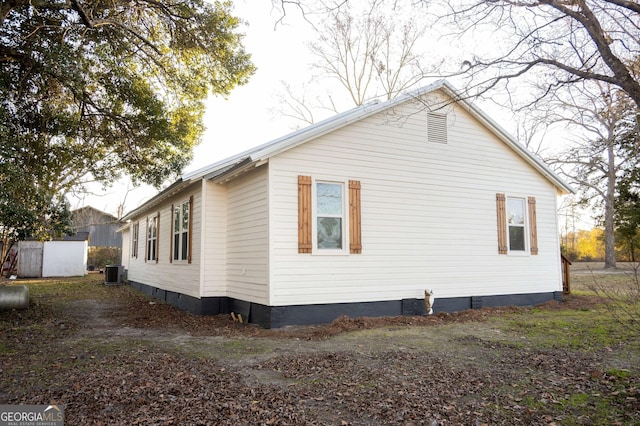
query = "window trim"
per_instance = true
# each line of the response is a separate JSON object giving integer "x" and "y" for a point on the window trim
{"x": 525, "y": 226}
{"x": 152, "y": 221}
{"x": 177, "y": 249}
{"x": 344, "y": 185}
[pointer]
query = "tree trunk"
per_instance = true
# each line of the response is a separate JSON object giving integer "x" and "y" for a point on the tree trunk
{"x": 609, "y": 210}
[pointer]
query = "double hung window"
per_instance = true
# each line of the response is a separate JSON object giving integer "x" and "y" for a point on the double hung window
{"x": 516, "y": 224}
{"x": 152, "y": 239}
{"x": 181, "y": 231}
{"x": 329, "y": 215}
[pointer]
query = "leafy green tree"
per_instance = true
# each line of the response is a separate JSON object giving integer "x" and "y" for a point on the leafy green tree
{"x": 28, "y": 212}
{"x": 91, "y": 90}
{"x": 628, "y": 215}
{"x": 113, "y": 87}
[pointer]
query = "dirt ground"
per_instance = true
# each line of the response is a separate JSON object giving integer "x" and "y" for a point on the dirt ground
{"x": 111, "y": 355}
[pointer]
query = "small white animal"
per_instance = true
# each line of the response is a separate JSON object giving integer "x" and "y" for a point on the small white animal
{"x": 428, "y": 301}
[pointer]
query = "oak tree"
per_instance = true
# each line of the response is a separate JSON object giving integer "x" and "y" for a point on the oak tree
{"x": 555, "y": 42}
{"x": 91, "y": 90}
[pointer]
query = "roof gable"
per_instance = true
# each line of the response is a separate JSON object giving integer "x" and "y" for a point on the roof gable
{"x": 262, "y": 153}
{"x": 231, "y": 167}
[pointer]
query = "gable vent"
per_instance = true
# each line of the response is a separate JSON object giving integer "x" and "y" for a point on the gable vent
{"x": 437, "y": 127}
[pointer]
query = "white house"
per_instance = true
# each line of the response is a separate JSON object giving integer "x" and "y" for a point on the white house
{"x": 357, "y": 215}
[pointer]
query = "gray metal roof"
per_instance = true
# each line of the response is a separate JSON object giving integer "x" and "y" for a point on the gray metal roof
{"x": 224, "y": 169}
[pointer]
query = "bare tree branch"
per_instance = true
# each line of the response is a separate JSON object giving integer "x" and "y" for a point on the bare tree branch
{"x": 368, "y": 53}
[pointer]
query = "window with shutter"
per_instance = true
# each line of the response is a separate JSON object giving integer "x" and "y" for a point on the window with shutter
{"x": 190, "y": 227}
{"x": 146, "y": 245}
{"x": 181, "y": 231}
{"x": 329, "y": 216}
{"x": 322, "y": 216}
{"x": 157, "y": 242}
{"x": 171, "y": 233}
{"x": 517, "y": 225}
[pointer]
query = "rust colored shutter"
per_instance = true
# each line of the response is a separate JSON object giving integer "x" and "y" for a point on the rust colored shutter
{"x": 146, "y": 241}
{"x": 533, "y": 225}
{"x": 304, "y": 214}
{"x": 171, "y": 221}
{"x": 502, "y": 223}
{"x": 355, "y": 227}
{"x": 190, "y": 236}
{"x": 158, "y": 238}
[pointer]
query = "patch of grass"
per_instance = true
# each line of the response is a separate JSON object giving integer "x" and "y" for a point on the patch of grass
{"x": 591, "y": 329}
{"x": 576, "y": 400}
{"x": 6, "y": 350}
{"x": 619, "y": 373}
{"x": 614, "y": 283}
{"x": 68, "y": 289}
{"x": 597, "y": 409}
{"x": 531, "y": 403}
{"x": 225, "y": 350}
{"x": 582, "y": 292}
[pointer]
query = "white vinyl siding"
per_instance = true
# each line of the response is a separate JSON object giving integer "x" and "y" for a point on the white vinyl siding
{"x": 126, "y": 247}
{"x": 180, "y": 277}
{"x": 214, "y": 237}
{"x": 248, "y": 236}
{"x": 329, "y": 213}
{"x": 428, "y": 214}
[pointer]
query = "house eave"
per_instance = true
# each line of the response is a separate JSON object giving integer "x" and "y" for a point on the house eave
{"x": 232, "y": 171}
{"x": 168, "y": 192}
{"x": 263, "y": 152}
{"x": 225, "y": 170}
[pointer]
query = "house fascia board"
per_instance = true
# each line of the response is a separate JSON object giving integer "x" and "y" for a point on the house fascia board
{"x": 265, "y": 151}
{"x": 337, "y": 122}
{"x": 124, "y": 227}
{"x": 229, "y": 168}
{"x": 173, "y": 189}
